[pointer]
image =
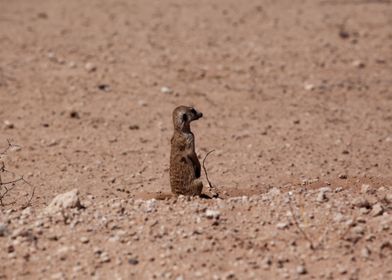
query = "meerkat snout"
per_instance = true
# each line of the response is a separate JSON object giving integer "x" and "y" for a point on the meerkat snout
{"x": 197, "y": 114}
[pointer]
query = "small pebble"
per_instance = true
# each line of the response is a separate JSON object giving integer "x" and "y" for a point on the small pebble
{"x": 322, "y": 197}
{"x": 282, "y": 225}
{"x": 104, "y": 258}
{"x": 377, "y": 210}
{"x": 133, "y": 261}
{"x": 301, "y": 270}
{"x": 342, "y": 270}
{"x": 134, "y": 127}
{"x": 388, "y": 198}
{"x": 338, "y": 189}
{"x": 90, "y": 67}
{"x": 166, "y": 90}
{"x": 51, "y": 56}
{"x": 8, "y": 124}
{"x": 3, "y": 229}
{"x": 365, "y": 252}
{"x": 358, "y": 230}
{"x": 309, "y": 87}
{"x": 344, "y": 34}
{"x": 342, "y": 176}
{"x": 74, "y": 115}
{"x": 142, "y": 103}
{"x": 361, "y": 202}
{"x": 10, "y": 249}
{"x": 84, "y": 240}
{"x": 150, "y": 205}
{"x": 359, "y": 64}
{"x": 72, "y": 64}
{"x": 104, "y": 87}
{"x": 212, "y": 214}
{"x": 230, "y": 275}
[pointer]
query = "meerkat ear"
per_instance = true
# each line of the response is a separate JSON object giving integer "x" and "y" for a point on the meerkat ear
{"x": 185, "y": 117}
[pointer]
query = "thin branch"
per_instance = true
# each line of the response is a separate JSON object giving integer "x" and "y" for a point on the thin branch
{"x": 13, "y": 181}
{"x": 204, "y": 167}
{"x": 2, "y": 168}
{"x": 298, "y": 226}
{"x": 28, "y": 202}
{"x": 10, "y": 146}
{"x": 6, "y": 187}
{"x": 214, "y": 193}
{"x": 7, "y": 190}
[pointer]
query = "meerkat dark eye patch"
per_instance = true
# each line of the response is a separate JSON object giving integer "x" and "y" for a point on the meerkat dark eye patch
{"x": 185, "y": 117}
{"x": 193, "y": 111}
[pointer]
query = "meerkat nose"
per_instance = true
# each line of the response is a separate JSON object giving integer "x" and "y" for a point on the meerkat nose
{"x": 200, "y": 114}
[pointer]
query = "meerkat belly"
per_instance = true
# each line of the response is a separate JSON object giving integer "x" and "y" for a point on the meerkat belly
{"x": 182, "y": 171}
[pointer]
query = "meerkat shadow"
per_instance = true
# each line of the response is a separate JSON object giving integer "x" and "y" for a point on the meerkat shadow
{"x": 165, "y": 196}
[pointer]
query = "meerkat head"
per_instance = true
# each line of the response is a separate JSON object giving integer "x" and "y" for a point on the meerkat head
{"x": 183, "y": 116}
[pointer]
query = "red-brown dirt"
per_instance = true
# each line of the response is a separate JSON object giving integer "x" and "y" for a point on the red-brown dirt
{"x": 297, "y": 104}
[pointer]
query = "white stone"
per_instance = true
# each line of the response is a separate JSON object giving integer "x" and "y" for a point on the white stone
{"x": 377, "y": 210}
{"x": 309, "y": 87}
{"x": 321, "y": 197}
{"x": 90, "y": 67}
{"x": 282, "y": 225}
{"x": 8, "y": 124}
{"x": 301, "y": 270}
{"x": 358, "y": 64}
{"x": 64, "y": 201}
{"x": 150, "y": 205}
{"x": 166, "y": 90}
{"x": 212, "y": 214}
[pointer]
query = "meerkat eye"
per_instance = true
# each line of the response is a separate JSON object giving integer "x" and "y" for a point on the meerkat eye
{"x": 193, "y": 111}
{"x": 185, "y": 117}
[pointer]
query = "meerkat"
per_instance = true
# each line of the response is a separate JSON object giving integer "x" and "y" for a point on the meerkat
{"x": 185, "y": 167}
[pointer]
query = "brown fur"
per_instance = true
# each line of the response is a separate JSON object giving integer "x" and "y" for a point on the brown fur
{"x": 185, "y": 167}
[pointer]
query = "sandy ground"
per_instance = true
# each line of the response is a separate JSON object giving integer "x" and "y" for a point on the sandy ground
{"x": 297, "y": 104}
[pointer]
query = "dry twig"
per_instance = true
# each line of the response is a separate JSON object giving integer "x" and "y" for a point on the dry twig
{"x": 205, "y": 171}
{"x": 204, "y": 167}
{"x": 298, "y": 226}
{"x": 6, "y": 187}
